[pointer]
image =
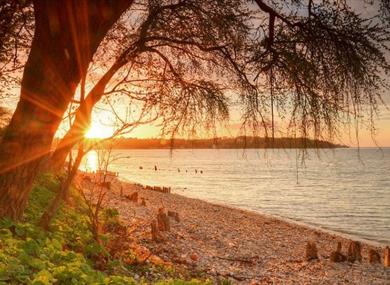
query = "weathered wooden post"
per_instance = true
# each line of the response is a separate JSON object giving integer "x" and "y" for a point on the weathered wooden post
{"x": 311, "y": 251}
{"x": 134, "y": 197}
{"x": 373, "y": 256}
{"x": 163, "y": 220}
{"x": 154, "y": 231}
{"x": 174, "y": 215}
{"x": 354, "y": 252}
{"x": 337, "y": 256}
{"x": 386, "y": 257}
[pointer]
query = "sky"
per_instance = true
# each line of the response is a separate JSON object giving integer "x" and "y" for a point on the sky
{"x": 101, "y": 126}
{"x": 366, "y": 138}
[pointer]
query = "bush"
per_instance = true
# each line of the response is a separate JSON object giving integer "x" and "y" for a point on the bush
{"x": 64, "y": 255}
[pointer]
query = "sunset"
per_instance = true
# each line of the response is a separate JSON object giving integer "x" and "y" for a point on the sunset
{"x": 99, "y": 131}
{"x": 194, "y": 142}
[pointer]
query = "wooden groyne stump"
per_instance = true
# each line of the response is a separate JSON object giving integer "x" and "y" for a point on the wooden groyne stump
{"x": 311, "y": 251}
{"x": 337, "y": 256}
{"x": 133, "y": 197}
{"x": 373, "y": 256}
{"x": 158, "y": 189}
{"x": 174, "y": 215}
{"x": 354, "y": 252}
{"x": 163, "y": 221}
{"x": 166, "y": 189}
{"x": 386, "y": 257}
{"x": 156, "y": 236}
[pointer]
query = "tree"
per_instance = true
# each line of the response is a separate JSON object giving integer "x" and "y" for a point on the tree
{"x": 16, "y": 22}
{"x": 105, "y": 159}
{"x": 151, "y": 52}
{"x": 191, "y": 59}
{"x": 323, "y": 65}
{"x": 59, "y": 56}
{"x": 280, "y": 65}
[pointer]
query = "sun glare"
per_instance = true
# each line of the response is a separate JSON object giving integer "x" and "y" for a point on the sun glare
{"x": 99, "y": 131}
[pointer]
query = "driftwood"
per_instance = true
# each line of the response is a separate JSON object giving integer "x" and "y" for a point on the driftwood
{"x": 354, "y": 251}
{"x": 386, "y": 257}
{"x": 373, "y": 256}
{"x": 174, "y": 215}
{"x": 337, "y": 256}
{"x": 311, "y": 251}
{"x": 163, "y": 221}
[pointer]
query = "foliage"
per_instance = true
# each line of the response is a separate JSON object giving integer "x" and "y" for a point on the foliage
{"x": 16, "y": 22}
{"x": 28, "y": 255}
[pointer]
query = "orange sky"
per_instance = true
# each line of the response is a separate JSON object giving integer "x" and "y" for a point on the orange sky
{"x": 102, "y": 128}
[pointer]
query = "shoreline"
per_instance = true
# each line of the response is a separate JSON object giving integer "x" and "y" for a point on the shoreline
{"x": 301, "y": 223}
{"x": 313, "y": 226}
{"x": 224, "y": 242}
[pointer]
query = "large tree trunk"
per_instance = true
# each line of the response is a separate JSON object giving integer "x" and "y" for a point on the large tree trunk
{"x": 67, "y": 34}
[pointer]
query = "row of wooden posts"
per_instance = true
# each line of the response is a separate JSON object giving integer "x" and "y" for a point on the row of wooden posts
{"x": 354, "y": 253}
{"x": 158, "y": 189}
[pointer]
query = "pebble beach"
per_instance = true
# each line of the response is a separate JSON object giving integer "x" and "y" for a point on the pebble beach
{"x": 242, "y": 246}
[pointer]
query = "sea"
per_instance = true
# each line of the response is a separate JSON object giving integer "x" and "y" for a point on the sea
{"x": 346, "y": 190}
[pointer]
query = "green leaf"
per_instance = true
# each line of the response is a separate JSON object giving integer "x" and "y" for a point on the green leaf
{"x": 43, "y": 277}
{"x": 31, "y": 247}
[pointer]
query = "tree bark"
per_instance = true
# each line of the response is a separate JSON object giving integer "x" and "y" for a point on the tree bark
{"x": 67, "y": 34}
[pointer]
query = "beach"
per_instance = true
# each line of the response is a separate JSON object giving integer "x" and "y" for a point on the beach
{"x": 245, "y": 247}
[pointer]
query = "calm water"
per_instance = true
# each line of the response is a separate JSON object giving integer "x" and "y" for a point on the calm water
{"x": 334, "y": 189}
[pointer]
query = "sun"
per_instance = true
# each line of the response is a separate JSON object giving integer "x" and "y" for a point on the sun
{"x": 99, "y": 131}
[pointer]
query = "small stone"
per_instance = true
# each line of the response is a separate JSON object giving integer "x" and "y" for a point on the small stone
{"x": 194, "y": 257}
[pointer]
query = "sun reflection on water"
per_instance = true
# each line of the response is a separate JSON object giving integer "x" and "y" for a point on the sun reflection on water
{"x": 91, "y": 161}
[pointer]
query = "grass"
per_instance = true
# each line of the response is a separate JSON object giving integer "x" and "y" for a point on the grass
{"x": 65, "y": 254}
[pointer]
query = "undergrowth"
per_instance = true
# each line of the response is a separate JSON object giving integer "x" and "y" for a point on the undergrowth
{"x": 66, "y": 254}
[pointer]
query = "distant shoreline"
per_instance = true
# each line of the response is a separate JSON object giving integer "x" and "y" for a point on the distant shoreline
{"x": 178, "y": 148}
{"x": 216, "y": 143}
